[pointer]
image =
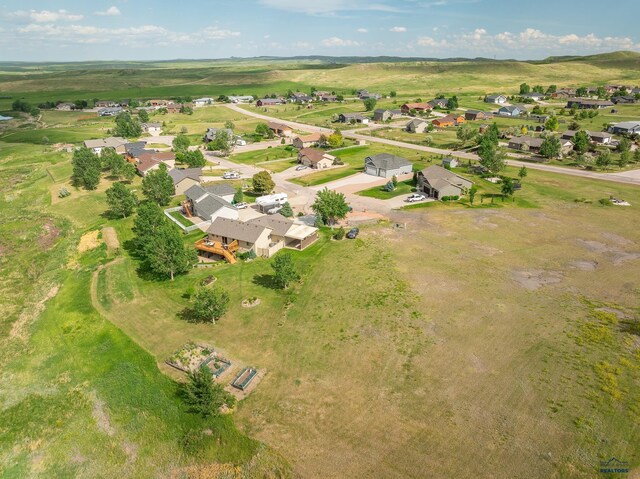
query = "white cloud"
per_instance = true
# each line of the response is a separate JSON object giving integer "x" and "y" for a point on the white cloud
{"x": 138, "y": 36}
{"x": 362, "y": 30}
{"x": 534, "y": 41}
{"x": 326, "y": 7}
{"x": 398, "y": 29}
{"x": 46, "y": 16}
{"x": 339, "y": 42}
{"x": 110, "y": 12}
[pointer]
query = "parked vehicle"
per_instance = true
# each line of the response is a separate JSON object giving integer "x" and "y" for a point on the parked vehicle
{"x": 242, "y": 205}
{"x": 231, "y": 175}
{"x": 301, "y": 167}
{"x": 353, "y": 233}
{"x": 273, "y": 211}
{"x": 416, "y": 197}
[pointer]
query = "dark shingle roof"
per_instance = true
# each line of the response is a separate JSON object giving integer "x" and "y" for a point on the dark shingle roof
{"x": 179, "y": 174}
{"x": 237, "y": 230}
{"x": 388, "y": 161}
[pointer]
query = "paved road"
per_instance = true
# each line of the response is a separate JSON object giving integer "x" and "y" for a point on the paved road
{"x": 628, "y": 177}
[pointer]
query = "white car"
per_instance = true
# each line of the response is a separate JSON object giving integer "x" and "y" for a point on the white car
{"x": 242, "y": 205}
{"x": 231, "y": 175}
{"x": 416, "y": 197}
{"x": 301, "y": 167}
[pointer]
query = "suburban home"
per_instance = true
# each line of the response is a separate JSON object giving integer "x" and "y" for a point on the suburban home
{"x": 472, "y": 115}
{"x": 353, "y": 118}
{"x": 384, "y": 115}
{"x": 151, "y": 160}
{"x": 450, "y": 162}
{"x": 158, "y": 103}
{"x": 498, "y": 99}
{"x": 211, "y": 134}
{"x": 540, "y": 118}
{"x": 198, "y": 102}
{"x": 270, "y": 101}
{"x": 535, "y": 96}
{"x": 280, "y": 129}
{"x": 299, "y": 97}
{"x": 306, "y": 141}
{"x": 98, "y": 145}
{"x": 152, "y": 128}
{"x": 600, "y": 137}
{"x": 588, "y": 103}
{"x": 328, "y": 97}
{"x": 525, "y": 143}
{"x": 177, "y": 107}
{"x": 132, "y": 151}
{"x": 241, "y": 98}
{"x": 66, "y": 106}
{"x": 289, "y": 234}
{"x": 185, "y": 178}
{"x": 438, "y": 182}
{"x": 625, "y": 127}
{"x": 438, "y": 103}
{"x": 112, "y": 111}
{"x": 315, "y": 158}
{"x": 205, "y": 204}
{"x": 623, "y": 99}
{"x": 265, "y": 235}
{"x": 365, "y": 95}
{"x": 418, "y": 107}
{"x": 512, "y": 110}
{"x": 386, "y": 165}
{"x": 564, "y": 93}
{"x": 417, "y": 126}
{"x": 449, "y": 120}
{"x": 105, "y": 104}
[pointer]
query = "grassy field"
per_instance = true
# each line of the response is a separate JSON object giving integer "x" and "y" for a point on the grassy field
{"x": 496, "y": 340}
{"x": 402, "y": 188}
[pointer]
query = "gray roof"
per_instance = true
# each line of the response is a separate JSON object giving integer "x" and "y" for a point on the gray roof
{"x": 527, "y": 140}
{"x": 511, "y": 108}
{"x": 278, "y": 223}
{"x": 387, "y": 161}
{"x": 236, "y": 230}
{"x": 439, "y": 177}
{"x": 111, "y": 142}
{"x": 179, "y": 174}
{"x": 415, "y": 122}
{"x": 211, "y": 133}
{"x": 220, "y": 189}
{"x": 352, "y": 116}
{"x": 204, "y": 202}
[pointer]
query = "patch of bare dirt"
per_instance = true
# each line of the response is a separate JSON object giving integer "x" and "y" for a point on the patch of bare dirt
{"x": 19, "y": 328}
{"x": 595, "y": 246}
{"x": 251, "y": 303}
{"x": 617, "y": 239}
{"x": 584, "y": 265}
{"x": 50, "y": 233}
{"x": 110, "y": 237}
{"x": 536, "y": 279}
{"x": 89, "y": 241}
{"x": 101, "y": 416}
{"x": 620, "y": 257}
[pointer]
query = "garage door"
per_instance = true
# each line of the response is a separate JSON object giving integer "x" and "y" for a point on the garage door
{"x": 370, "y": 170}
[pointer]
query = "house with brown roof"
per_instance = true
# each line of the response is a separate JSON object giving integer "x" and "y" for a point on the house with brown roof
{"x": 270, "y": 101}
{"x": 315, "y": 158}
{"x": 280, "y": 129}
{"x": 305, "y": 141}
{"x": 472, "y": 115}
{"x": 418, "y": 107}
{"x": 449, "y": 120}
{"x": 151, "y": 160}
{"x": 585, "y": 103}
{"x": 525, "y": 143}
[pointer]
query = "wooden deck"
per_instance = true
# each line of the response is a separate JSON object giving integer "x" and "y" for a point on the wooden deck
{"x": 228, "y": 252}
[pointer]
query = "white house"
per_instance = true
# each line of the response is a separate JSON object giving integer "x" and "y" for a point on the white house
{"x": 203, "y": 101}
{"x": 498, "y": 99}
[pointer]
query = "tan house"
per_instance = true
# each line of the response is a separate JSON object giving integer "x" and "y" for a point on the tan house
{"x": 280, "y": 129}
{"x": 150, "y": 161}
{"x": 185, "y": 178}
{"x": 438, "y": 182}
{"x": 288, "y": 233}
{"x": 306, "y": 141}
{"x": 417, "y": 126}
{"x": 315, "y": 158}
{"x": 98, "y": 145}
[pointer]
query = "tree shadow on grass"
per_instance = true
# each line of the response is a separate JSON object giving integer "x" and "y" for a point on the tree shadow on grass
{"x": 266, "y": 281}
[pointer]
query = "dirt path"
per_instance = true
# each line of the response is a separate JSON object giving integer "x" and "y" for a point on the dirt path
{"x": 94, "y": 286}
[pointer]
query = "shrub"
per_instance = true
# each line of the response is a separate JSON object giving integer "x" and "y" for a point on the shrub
{"x": 339, "y": 234}
{"x": 605, "y": 202}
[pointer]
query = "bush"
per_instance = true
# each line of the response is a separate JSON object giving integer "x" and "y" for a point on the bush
{"x": 339, "y": 234}
{"x": 605, "y": 202}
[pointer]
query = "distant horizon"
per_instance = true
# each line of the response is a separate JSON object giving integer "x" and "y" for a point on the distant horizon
{"x": 318, "y": 56}
{"x": 46, "y": 30}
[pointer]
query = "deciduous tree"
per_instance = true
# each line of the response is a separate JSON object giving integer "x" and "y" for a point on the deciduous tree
{"x": 121, "y": 200}
{"x": 330, "y": 206}
{"x": 209, "y": 304}
{"x": 157, "y": 186}
{"x": 87, "y": 168}
{"x": 284, "y": 270}
{"x": 263, "y": 183}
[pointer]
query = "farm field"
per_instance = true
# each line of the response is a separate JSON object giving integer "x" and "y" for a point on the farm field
{"x": 496, "y": 339}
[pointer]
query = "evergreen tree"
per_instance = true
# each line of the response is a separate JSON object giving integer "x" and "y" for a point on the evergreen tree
{"x": 205, "y": 396}
{"x": 238, "y": 196}
{"x": 286, "y": 210}
{"x": 143, "y": 116}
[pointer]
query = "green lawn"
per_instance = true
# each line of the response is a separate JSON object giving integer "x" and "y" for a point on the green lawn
{"x": 402, "y": 188}
{"x": 267, "y": 154}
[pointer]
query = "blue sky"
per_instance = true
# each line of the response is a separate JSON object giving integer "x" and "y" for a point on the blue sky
{"x": 75, "y": 30}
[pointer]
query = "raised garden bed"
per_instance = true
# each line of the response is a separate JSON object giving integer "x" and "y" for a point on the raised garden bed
{"x": 244, "y": 378}
{"x": 218, "y": 365}
{"x": 193, "y": 356}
